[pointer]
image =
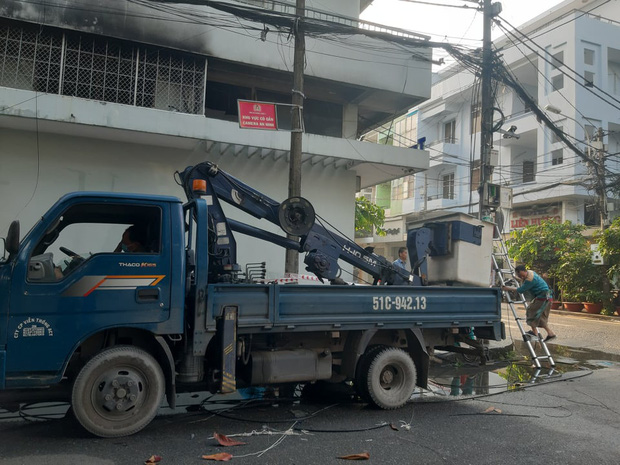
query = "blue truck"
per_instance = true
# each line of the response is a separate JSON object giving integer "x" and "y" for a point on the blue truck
{"x": 123, "y": 327}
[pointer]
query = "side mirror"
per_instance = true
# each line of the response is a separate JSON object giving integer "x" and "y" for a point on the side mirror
{"x": 12, "y": 238}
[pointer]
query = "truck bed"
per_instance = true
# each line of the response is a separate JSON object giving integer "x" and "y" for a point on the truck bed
{"x": 275, "y": 307}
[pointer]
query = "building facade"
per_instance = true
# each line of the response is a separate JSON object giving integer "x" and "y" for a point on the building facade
{"x": 568, "y": 62}
{"x": 119, "y": 95}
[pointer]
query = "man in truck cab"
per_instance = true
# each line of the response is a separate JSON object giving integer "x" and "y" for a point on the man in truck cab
{"x": 132, "y": 240}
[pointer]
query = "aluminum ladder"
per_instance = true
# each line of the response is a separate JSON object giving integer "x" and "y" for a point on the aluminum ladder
{"x": 500, "y": 253}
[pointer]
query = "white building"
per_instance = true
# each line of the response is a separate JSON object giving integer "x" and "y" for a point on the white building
{"x": 119, "y": 95}
{"x": 568, "y": 60}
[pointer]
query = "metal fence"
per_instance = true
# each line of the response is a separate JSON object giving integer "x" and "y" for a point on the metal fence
{"x": 98, "y": 68}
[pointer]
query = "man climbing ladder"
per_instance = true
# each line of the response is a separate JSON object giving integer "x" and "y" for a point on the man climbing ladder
{"x": 538, "y": 310}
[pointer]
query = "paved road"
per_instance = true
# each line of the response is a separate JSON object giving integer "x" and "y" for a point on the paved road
{"x": 573, "y": 421}
{"x": 571, "y": 418}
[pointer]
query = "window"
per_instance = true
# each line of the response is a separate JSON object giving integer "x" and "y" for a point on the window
{"x": 557, "y": 82}
{"x": 98, "y": 68}
{"x": 557, "y": 60}
{"x": 476, "y": 119}
{"x": 86, "y": 230}
{"x": 402, "y": 188}
{"x": 588, "y": 56}
{"x": 449, "y": 132}
{"x": 592, "y": 215}
{"x": 557, "y": 157}
{"x": 448, "y": 186}
{"x": 554, "y": 137}
{"x": 588, "y": 78}
{"x": 475, "y": 175}
{"x": 528, "y": 171}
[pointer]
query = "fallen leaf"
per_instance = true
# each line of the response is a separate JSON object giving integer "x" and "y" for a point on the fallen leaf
{"x": 362, "y": 456}
{"x": 492, "y": 409}
{"x": 221, "y": 457}
{"x": 153, "y": 459}
{"x": 394, "y": 427}
{"x": 226, "y": 441}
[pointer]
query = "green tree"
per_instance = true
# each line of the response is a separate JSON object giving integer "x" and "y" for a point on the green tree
{"x": 609, "y": 247}
{"x": 545, "y": 247}
{"x": 368, "y": 216}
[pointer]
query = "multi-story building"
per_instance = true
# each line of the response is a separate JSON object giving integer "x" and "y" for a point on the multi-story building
{"x": 568, "y": 61}
{"x": 118, "y": 95}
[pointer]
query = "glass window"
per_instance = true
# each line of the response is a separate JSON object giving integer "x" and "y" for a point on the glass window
{"x": 476, "y": 119}
{"x": 557, "y": 157}
{"x": 448, "y": 186}
{"x": 528, "y": 171}
{"x": 475, "y": 175}
{"x": 588, "y": 56}
{"x": 449, "y": 132}
{"x": 557, "y": 60}
{"x": 588, "y": 77}
{"x": 554, "y": 137}
{"x": 557, "y": 82}
{"x": 85, "y": 230}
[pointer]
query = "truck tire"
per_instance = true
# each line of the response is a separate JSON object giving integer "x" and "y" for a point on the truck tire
{"x": 118, "y": 392}
{"x": 363, "y": 364}
{"x": 391, "y": 378}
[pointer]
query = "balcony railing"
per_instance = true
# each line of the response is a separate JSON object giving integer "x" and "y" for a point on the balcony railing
{"x": 290, "y": 8}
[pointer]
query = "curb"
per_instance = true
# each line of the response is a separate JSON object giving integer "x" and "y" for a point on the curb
{"x": 595, "y": 316}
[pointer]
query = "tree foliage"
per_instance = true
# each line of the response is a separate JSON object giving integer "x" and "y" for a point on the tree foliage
{"x": 546, "y": 246}
{"x": 561, "y": 252}
{"x": 609, "y": 247}
{"x": 368, "y": 216}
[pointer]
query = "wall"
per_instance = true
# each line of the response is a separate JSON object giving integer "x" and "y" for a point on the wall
{"x": 207, "y": 31}
{"x": 77, "y": 163}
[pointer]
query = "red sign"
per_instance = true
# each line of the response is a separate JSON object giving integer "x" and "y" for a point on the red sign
{"x": 257, "y": 115}
{"x": 531, "y": 216}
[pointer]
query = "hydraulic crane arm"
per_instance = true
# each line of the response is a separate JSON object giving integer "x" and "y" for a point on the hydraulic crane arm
{"x": 295, "y": 216}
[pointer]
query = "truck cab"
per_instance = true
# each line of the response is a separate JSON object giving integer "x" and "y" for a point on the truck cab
{"x": 70, "y": 284}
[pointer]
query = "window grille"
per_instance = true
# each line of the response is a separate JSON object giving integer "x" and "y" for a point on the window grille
{"x": 98, "y": 68}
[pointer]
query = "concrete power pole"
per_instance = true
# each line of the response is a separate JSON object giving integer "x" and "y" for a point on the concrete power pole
{"x": 598, "y": 168}
{"x": 486, "y": 130}
{"x": 294, "y": 176}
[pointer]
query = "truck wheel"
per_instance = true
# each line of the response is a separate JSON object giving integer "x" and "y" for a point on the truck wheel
{"x": 363, "y": 364}
{"x": 391, "y": 378}
{"x": 118, "y": 392}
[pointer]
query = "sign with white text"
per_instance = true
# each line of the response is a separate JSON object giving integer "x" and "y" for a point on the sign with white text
{"x": 257, "y": 115}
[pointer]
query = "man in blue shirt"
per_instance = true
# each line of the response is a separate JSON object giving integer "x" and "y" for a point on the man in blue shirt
{"x": 538, "y": 310}
{"x": 401, "y": 261}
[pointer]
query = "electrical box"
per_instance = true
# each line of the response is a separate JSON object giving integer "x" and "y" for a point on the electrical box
{"x": 505, "y": 197}
{"x": 597, "y": 258}
{"x": 491, "y": 196}
{"x": 496, "y": 196}
{"x": 462, "y": 248}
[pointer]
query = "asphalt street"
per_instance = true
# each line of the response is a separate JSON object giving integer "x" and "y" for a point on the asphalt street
{"x": 570, "y": 417}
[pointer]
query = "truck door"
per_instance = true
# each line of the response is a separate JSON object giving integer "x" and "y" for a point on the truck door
{"x": 93, "y": 265}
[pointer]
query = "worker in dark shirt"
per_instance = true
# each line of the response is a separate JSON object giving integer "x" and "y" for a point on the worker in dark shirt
{"x": 538, "y": 310}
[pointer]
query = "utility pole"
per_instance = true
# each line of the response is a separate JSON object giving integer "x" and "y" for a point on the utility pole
{"x": 294, "y": 175}
{"x": 489, "y": 10}
{"x": 598, "y": 164}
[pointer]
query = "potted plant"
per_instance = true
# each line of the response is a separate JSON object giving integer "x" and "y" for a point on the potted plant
{"x": 572, "y": 301}
{"x": 593, "y": 301}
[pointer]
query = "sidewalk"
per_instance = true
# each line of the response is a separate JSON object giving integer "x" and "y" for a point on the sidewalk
{"x": 582, "y": 313}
